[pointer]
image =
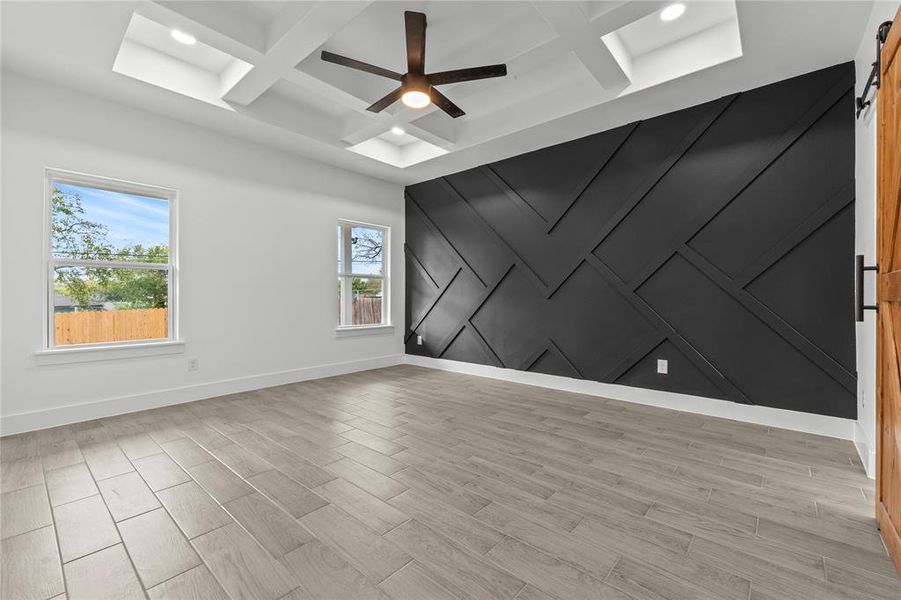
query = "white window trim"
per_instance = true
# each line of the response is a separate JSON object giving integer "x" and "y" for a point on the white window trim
{"x": 385, "y": 326}
{"x": 103, "y": 351}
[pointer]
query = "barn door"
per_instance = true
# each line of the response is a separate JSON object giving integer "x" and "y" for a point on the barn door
{"x": 888, "y": 328}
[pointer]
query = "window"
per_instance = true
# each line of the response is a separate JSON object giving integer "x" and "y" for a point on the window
{"x": 362, "y": 275}
{"x": 111, "y": 261}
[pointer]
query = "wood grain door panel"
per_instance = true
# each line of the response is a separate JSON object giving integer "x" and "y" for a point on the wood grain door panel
{"x": 888, "y": 230}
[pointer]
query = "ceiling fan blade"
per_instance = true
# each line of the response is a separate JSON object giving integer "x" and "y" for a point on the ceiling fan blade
{"x": 444, "y": 103}
{"x": 358, "y": 65}
{"x": 387, "y": 101}
{"x": 467, "y": 74}
{"x": 414, "y": 23}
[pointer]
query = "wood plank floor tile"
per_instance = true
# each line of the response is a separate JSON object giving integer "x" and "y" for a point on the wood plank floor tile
{"x": 186, "y": 452}
{"x": 471, "y": 576}
{"x": 31, "y": 568}
{"x": 273, "y": 528}
{"x": 546, "y": 572}
{"x": 372, "y": 481}
{"x": 127, "y": 496}
{"x": 18, "y": 474}
{"x": 196, "y": 584}
{"x": 83, "y": 527}
{"x": 104, "y": 575}
{"x": 369, "y": 553}
{"x": 327, "y": 576}
{"x": 369, "y": 510}
{"x": 418, "y": 483}
{"x": 300, "y": 470}
{"x": 428, "y": 483}
{"x": 60, "y": 454}
{"x": 69, "y": 483}
{"x": 294, "y": 498}
{"x": 370, "y": 440}
{"x": 138, "y": 445}
{"x": 243, "y": 569}
{"x": 593, "y": 559}
{"x": 23, "y": 510}
{"x": 219, "y": 481}
{"x": 106, "y": 460}
{"x": 413, "y": 582}
{"x": 240, "y": 460}
{"x": 193, "y": 509}
{"x": 364, "y": 455}
{"x": 160, "y": 472}
{"x": 157, "y": 548}
{"x": 474, "y": 535}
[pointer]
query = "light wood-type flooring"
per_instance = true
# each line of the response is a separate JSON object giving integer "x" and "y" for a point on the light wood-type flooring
{"x": 415, "y": 484}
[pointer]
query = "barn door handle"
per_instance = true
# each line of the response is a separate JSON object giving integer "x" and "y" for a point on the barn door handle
{"x": 858, "y": 280}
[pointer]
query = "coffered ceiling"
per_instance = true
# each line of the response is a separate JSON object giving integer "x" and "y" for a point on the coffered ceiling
{"x": 575, "y": 68}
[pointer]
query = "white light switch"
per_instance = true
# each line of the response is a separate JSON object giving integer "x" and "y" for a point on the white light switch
{"x": 662, "y": 366}
{"x": 419, "y": 340}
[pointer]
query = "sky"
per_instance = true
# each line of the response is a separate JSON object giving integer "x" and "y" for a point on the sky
{"x": 129, "y": 219}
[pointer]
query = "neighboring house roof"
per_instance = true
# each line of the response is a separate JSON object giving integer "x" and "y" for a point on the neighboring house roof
{"x": 63, "y": 301}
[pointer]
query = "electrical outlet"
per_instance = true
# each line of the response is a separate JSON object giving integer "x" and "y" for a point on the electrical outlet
{"x": 419, "y": 340}
{"x": 193, "y": 364}
{"x": 662, "y": 366}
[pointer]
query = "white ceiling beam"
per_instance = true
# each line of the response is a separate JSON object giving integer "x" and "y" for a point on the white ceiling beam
{"x": 314, "y": 27}
{"x": 574, "y": 27}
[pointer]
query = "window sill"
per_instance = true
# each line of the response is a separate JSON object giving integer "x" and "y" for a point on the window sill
{"x": 358, "y": 330}
{"x": 60, "y": 356}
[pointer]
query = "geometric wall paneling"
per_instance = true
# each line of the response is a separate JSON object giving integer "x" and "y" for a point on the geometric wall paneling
{"x": 791, "y": 188}
{"x": 806, "y": 276}
{"x": 551, "y": 361}
{"x": 760, "y": 362}
{"x": 718, "y": 238}
{"x": 752, "y": 133}
{"x": 549, "y": 180}
{"x": 682, "y": 376}
{"x": 467, "y": 347}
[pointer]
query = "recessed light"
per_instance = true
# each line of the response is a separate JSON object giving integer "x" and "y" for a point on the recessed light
{"x": 183, "y": 38}
{"x": 672, "y": 12}
{"x": 415, "y": 99}
{"x": 397, "y": 130}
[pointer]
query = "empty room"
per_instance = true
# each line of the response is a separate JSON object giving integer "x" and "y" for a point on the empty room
{"x": 450, "y": 300}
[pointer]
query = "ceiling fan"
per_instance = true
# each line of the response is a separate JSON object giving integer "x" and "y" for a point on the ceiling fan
{"x": 416, "y": 87}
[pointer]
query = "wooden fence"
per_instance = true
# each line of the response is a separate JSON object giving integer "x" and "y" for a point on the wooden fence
{"x": 367, "y": 310}
{"x": 97, "y": 326}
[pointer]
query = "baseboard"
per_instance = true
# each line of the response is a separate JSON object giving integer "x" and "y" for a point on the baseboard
{"x": 64, "y": 415}
{"x": 865, "y": 450}
{"x": 761, "y": 415}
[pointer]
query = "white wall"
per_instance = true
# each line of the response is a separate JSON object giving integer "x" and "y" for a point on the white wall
{"x": 257, "y": 257}
{"x": 865, "y": 234}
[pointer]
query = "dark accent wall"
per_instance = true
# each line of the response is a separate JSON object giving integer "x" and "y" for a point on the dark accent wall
{"x": 719, "y": 237}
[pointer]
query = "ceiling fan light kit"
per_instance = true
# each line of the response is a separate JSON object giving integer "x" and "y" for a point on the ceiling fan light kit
{"x": 417, "y": 89}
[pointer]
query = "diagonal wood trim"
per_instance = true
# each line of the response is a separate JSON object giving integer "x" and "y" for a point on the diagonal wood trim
{"x": 711, "y": 372}
{"x": 791, "y": 335}
{"x": 419, "y": 266}
{"x": 469, "y": 315}
{"x": 429, "y": 308}
{"x": 642, "y": 348}
{"x": 446, "y": 242}
{"x": 808, "y": 227}
{"x": 514, "y": 255}
{"x": 494, "y": 177}
{"x": 693, "y": 136}
{"x": 586, "y": 183}
{"x": 743, "y": 181}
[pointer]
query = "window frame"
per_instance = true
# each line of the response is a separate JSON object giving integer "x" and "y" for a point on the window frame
{"x": 345, "y": 276}
{"x": 55, "y": 175}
